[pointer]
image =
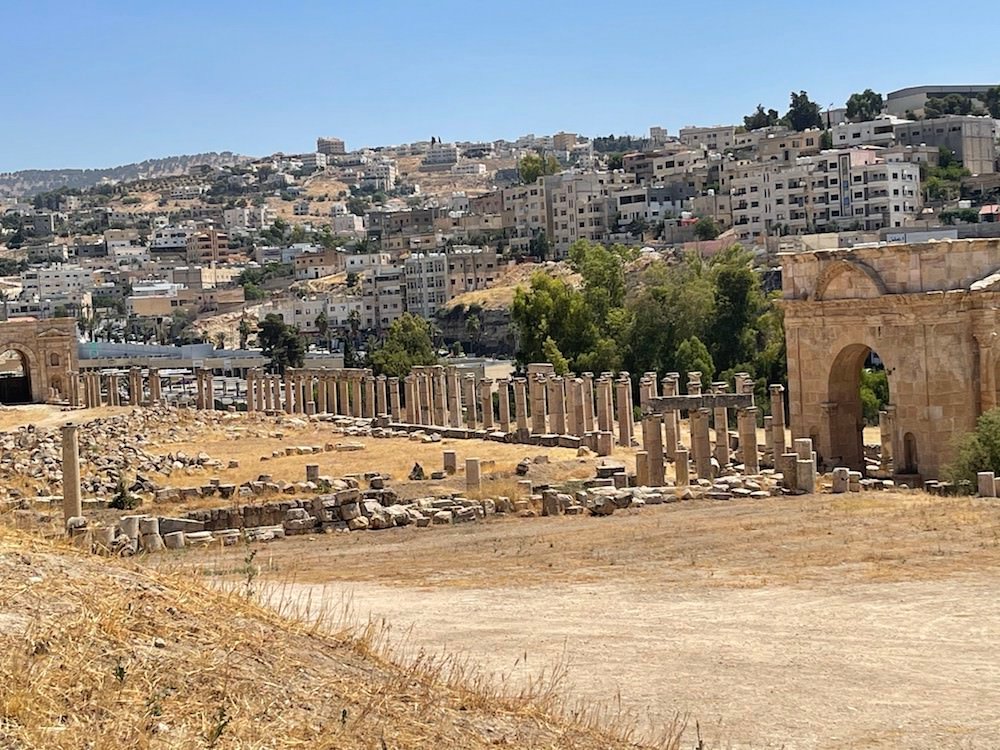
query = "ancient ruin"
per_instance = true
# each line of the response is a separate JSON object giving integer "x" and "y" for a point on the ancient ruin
{"x": 928, "y": 311}
{"x": 47, "y": 350}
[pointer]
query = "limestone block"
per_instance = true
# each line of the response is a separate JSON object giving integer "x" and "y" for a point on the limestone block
{"x": 987, "y": 484}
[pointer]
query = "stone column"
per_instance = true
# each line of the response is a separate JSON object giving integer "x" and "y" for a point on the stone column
{"x": 454, "y": 398}
{"x": 330, "y": 385}
{"x": 625, "y": 425}
{"x": 681, "y": 467}
{"x": 381, "y": 396}
{"x": 469, "y": 396}
{"x": 652, "y": 444}
{"x": 987, "y": 378}
{"x": 301, "y": 392}
{"x": 155, "y": 386}
{"x": 521, "y": 407}
{"x": 580, "y": 425}
{"x": 503, "y": 394}
{"x": 777, "y": 420}
{"x": 355, "y": 395}
{"x": 720, "y": 417}
{"x": 889, "y": 437}
{"x": 604, "y": 404}
{"x": 747, "y": 425}
{"x": 536, "y": 388}
{"x": 440, "y": 396}
{"x": 289, "y": 392}
{"x": 588, "y": 403}
{"x": 394, "y": 399}
{"x": 370, "y": 397}
{"x": 572, "y": 424}
{"x": 343, "y": 395}
{"x": 700, "y": 443}
{"x": 555, "y": 396}
{"x": 671, "y": 417}
{"x": 410, "y": 398}
{"x": 647, "y": 389}
{"x": 642, "y": 469}
{"x": 321, "y": 405}
{"x": 424, "y": 396}
{"x": 72, "y": 504}
{"x": 486, "y": 403}
{"x": 769, "y": 438}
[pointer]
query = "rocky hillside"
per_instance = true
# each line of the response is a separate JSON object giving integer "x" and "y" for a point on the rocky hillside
{"x": 29, "y": 182}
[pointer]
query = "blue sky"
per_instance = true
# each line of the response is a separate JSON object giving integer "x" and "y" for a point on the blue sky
{"x": 100, "y": 83}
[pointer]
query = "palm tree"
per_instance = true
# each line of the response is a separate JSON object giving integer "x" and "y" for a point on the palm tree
{"x": 220, "y": 340}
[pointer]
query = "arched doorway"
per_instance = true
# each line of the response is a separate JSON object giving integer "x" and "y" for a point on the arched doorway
{"x": 858, "y": 389}
{"x": 15, "y": 378}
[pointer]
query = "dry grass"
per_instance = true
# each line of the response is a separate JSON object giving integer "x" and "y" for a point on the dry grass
{"x": 101, "y": 654}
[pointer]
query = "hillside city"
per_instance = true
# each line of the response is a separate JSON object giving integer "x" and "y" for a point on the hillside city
{"x": 339, "y": 243}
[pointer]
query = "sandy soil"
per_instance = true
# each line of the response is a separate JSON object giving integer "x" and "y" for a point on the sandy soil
{"x": 805, "y": 623}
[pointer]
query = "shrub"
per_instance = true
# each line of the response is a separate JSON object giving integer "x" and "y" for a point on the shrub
{"x": 978, "y": 450}
{"x": 123, "y": 499}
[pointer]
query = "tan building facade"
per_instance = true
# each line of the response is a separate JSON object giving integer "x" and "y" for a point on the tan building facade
{"x": 929, "y": 312}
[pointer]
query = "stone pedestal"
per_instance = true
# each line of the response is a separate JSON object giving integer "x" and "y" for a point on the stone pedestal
{"x": 841, "y": 480}
{"x": 747, "y": 420}
{"x": 700, "y": 443}
{"x": 642, "y": 469}
{"x": 681, "y": 467}
{"x": 450, "y": 461}
{"x": 473, "y": 478}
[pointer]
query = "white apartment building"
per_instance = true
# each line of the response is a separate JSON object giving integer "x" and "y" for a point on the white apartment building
{"x": 426, "y": 277}
{"x": 877, "y": 132}
{"x": 716, "y": 138}
{"x": 845, "y": 189}
{"x": 313, "y": 161}
{"x": 58, "y": 282}
{"x": 470, "y": 168}
{"x": 348, "y": 225}
{"x": 440, "y": 156}
{"x": 380, "y": 175}
{"x": 186, "y": 192}
{"x": 579, "y": 206}
{"x": 362, "y": 262}
{"x": 171, "y": 239}
{"x": 645, "y": 203}
{"x": 525, "y": 215}
{"x": 383, "y": 297}
{"x": 471, "y": 268}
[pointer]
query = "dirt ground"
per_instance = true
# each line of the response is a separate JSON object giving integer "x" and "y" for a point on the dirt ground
{"x": 820, "y": 622}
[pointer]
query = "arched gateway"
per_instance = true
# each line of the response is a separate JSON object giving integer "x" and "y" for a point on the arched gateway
{"x": 930, "y": 311}
{"x": 38, "y": 360}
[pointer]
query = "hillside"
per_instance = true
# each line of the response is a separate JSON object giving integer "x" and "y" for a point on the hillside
{"x": 32, "y": 181}
{"x": 104, "y": 654}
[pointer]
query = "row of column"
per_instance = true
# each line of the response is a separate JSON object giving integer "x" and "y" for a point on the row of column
{"x": 344, "y": 392}
{"x": 105, "y": 389}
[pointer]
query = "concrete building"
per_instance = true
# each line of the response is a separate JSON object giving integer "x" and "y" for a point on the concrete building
{"x": 383, "y": 292}
{"x": 330, "y": 146}
{"x": 578, "y": 205}
{"x": 787, "y": 145}
{"x": 313, "y": 160}
{"x": 380, "y": 174}
{"x": 850, "y": 188}
{"x": 877, "y": 132}
{"x": 564, "y": 141}
{"x": 716, "y": 138}
{"x": 207, "y": 246}
{"x": 972, "y": 139}
{"x": 471, "y": 269}
{"x": 440, "y": 158}
{"x": 426, "y": 278}
{"x": 171, "y": 240}
{"x": 317, "y": 262}
{"x": 645, "y": 203}
{"x": 57, "y": 282}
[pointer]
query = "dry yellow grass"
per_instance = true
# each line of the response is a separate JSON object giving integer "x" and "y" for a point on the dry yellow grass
{"x": 102, "y": 654}
{"x": 501, "y": 294}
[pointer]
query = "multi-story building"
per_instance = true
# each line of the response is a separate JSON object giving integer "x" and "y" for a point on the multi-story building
{"x": 170, "y": 240}
{"x": 578, "y": 205}
{"x": 563, "y": 141}
{"x": 440, "y": 157}
{"x": 63, "y": 283}
{"x": 330, "y": 146}
{"x": 524, "y": 214}
{"x": 380, "y": 174}
{"x": 845, "y": 189}
{"x": 716, "y": 138}
{"x": 972, "y": 139}
{"x": 348, "y": 225}
{"x": 426, "y": 277}
{"x": 315, "y": 263}
{"x": 877, "y": 132}
{"x": 313, "y": 160}
{"x": 789, "y": 145}
{"x": 207, "y": 245}
{"x": 912, "y": 100}
{"x": 383, "y": 297}
{"x": 470, "y": 269}
{"x": 645, "y": 203}
{"x": 470, "y": 168}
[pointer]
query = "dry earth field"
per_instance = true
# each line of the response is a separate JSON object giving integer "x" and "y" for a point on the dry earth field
{"x": 811, "y": 622}
{"x": 816, "y": 622}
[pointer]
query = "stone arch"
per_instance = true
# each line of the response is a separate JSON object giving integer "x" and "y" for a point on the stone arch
{"x": 844, "y": 279}
{"x": 17, "y": 388}
{"x": 843, "y": 432}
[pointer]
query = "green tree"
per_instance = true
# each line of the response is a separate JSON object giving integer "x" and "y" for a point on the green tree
{"x": 533, "y": 166}
{"x": 408, "y": 344}
{"x": 978, "y": 450}
{"x": 760, "y": 118}
{"x": 693, "y": 356}
{"x": 551, "y": 353}
{"x": 245, "y": 329}
{"x": 738, "y": 303}
{"x": 281, "y": 343}
{"x": 953, "y": 104}
{"x": 615, "y": 161}
{"x": 864, "y": 106}
{"x": 874, "y": 394}
{"x": 803, "y": 113}
{"x": 706, "y": 228}
{"x": 220, "y": 340}
{"x": 322, "y": 323}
